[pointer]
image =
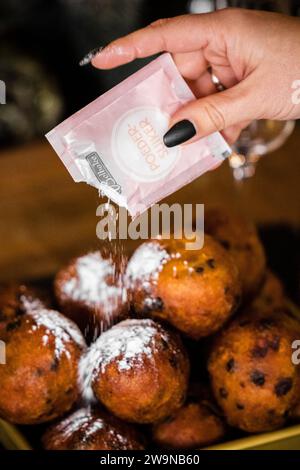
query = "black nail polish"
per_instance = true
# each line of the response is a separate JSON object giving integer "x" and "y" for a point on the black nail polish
{"x": 90, "y": 55}
{"x": 179, "y": 133}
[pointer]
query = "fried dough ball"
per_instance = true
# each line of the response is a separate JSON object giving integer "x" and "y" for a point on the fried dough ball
{"x": 92, "y": 429}
{"x": 252, "y": 374}
{"x": 240, "y": 238}
{"x": 89, "y": 292}
{"x": 39, "y": 379}
{"x": 271, "y": 296}
{"x": 138, "y": 370}
{"x": 295, "y": 413}
{"x": 194, "y": 290}
{"x": 196, "y": 424}
{"x": 16, "y": 298}
{"x": 294, "y": 310}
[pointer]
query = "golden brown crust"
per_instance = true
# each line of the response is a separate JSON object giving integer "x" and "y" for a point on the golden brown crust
{"x": 239, "y": 237}
{"x": 39, "y": 379}
{"x": 295, "y": 413}
{"x": 139, "y": 371}
{"x": 194, "y": 425}
{"x": 194, "y": 290}
{"x": 16, "y": 299}
{"x": 92, "y": 429}
{"x": 252, "y": 375}
{"x": 271, "y": 296}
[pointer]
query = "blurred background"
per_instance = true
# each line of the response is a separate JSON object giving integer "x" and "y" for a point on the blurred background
{"x": 45, "y": 217}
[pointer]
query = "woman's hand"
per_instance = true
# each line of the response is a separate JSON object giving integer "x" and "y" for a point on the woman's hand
{"x": 256, "y": 55}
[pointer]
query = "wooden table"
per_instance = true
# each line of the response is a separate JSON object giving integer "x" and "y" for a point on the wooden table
{"x": 46, "y": 218}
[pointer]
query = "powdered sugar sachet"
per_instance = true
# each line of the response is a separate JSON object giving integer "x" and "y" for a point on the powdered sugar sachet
{"x": 116, "y": 143}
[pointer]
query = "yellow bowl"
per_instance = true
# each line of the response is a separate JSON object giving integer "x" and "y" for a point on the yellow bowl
{"x": 284, "y": 439}
{"x": 11, "y": 438}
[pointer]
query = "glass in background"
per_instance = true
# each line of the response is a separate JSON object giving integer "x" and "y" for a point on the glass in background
{"x": 263, "y": 136}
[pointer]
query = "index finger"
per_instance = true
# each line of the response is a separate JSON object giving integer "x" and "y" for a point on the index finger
{"x": 184, "y": 33}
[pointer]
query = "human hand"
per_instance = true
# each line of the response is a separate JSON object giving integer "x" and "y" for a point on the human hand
{"x": 254, "y": 54}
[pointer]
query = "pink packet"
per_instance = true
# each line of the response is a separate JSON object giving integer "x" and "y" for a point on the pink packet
{"x": 116, "y": 143}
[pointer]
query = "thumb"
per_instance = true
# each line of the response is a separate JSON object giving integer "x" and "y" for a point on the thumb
{"x": 212, "y": 113}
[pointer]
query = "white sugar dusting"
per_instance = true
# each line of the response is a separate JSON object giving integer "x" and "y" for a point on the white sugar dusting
{"x": 146, "y": 262}
{"x": 88, "y": 423}
{"x": 90, "y": 284}
{"x": 127, "y": 344}
{"x": 93, "y": 427}
{"x": 45, "y": 340}
{"x": 30, "y": 304}
{"x": 73, "y": 423}
{"x": 63, "y": 330}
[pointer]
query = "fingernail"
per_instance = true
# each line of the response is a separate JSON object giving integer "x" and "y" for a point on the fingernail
{"x": 90, "y": 55}
{"x": 179, "y": 133}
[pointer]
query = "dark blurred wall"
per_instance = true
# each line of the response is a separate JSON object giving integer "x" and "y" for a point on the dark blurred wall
{"x": 58, "y": 33}
{"x": 42, "y": 41}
